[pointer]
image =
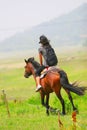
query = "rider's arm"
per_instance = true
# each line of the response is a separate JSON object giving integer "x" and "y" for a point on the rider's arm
{"x": 40, "y": 58}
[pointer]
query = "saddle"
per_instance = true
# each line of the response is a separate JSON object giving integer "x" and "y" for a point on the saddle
{"x": 49, "y": 69}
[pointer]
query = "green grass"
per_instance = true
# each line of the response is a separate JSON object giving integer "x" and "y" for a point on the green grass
{"x": 25, "y": 116}
{"x": 25, "y": 108}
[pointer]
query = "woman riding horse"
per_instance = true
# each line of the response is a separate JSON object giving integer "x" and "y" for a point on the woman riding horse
{"x": 50, "y": 59}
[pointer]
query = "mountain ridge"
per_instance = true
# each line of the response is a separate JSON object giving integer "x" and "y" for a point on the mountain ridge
{"x": 66, "y": 30}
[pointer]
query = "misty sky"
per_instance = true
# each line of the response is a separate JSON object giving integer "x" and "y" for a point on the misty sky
{"x": 17, "y": 15}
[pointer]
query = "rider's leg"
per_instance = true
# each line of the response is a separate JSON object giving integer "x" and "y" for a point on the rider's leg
{"x": 38, "y": 72}
{"x": 38, "y": 86}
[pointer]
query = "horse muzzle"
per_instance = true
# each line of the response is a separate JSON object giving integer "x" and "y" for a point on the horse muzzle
{"x": 26, "y": 75}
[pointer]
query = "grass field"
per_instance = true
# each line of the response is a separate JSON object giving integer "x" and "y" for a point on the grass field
{"x": 26, "y": 111}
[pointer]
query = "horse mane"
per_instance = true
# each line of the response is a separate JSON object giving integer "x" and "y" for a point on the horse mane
{"x": 35, "y": 63}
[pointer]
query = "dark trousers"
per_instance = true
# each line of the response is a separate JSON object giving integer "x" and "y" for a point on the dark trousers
{"x": 39, "y": 70}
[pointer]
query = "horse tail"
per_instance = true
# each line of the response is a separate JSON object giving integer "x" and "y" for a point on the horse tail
{"x": 71, "y": 87}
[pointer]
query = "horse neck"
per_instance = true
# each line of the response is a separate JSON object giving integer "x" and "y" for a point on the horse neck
{"x": 32, "y": 70}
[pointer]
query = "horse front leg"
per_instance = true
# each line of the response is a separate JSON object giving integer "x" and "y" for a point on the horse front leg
{"x": 47, "y": 104}
{"x": 42, "y": 99}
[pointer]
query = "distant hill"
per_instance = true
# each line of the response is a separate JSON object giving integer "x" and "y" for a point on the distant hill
{"x": 69, "y": 29}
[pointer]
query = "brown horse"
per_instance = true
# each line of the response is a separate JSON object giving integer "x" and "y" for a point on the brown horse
{"x": 53, "y": 80}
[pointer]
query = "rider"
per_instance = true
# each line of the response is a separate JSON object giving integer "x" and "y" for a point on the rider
{"x": 47, "y": 56}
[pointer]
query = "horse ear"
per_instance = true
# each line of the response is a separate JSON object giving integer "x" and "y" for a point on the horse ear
{"x": 25, "y": 60}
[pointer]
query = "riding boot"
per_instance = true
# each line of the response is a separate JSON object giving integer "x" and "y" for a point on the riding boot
{"x": 38, "y": 86}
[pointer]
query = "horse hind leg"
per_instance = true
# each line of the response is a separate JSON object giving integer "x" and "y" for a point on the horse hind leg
{"x": 70, "y": 98}
{"x": 62, "y": 101}
{"x": 63, "y": 104}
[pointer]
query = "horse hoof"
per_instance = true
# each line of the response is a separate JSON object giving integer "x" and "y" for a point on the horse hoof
{"x": 62, "y": 114}
{"x": 47, "y": 114}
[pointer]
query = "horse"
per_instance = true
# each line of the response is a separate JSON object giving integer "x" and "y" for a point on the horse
{"x": 53, "y": 80}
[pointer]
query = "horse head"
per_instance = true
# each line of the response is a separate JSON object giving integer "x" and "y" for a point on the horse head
{"x": 28, "y": 68}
